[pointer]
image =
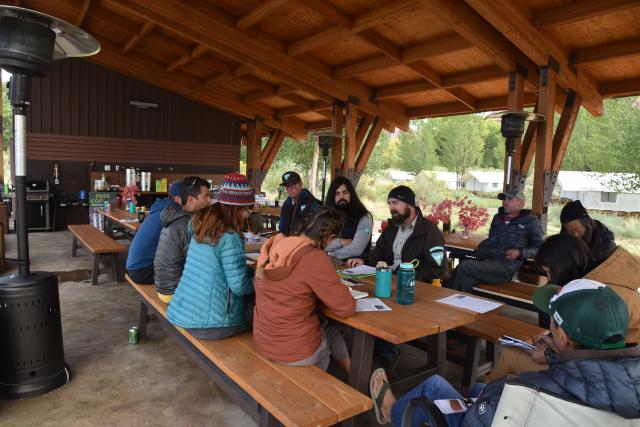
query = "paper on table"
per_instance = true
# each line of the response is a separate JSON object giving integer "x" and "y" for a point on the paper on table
{"x": 371, "y": 304}
{"x": 470, "y": 303}
{"x": 360, "y": 270}
{"x": 358, "y": 294}
{"x": 129, "y": 220}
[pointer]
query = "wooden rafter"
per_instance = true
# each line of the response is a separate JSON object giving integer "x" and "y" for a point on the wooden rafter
{"x": 606, "y": 52}
{"x": 135, "y": 39}
{"x": 579, "y": 11}
{"x": 83, "y": 13}
{"x": 196, "y": 52}
{"x": 453, "y": 108}
{"x": 508, "y": 18}
{"x": 368, "y": 144}
{"x": 409, "y": 55}
{"x": 360, "y": 23}
{"x": 206, "y": 27}
{"x": 258, "y": 13}
{"x": 621, "y": 88}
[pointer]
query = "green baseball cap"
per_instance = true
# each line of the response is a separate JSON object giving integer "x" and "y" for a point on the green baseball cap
{"x": 590, "y": 312}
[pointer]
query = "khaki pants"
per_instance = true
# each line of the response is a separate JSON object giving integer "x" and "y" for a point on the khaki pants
{"x": 513, "y": 361}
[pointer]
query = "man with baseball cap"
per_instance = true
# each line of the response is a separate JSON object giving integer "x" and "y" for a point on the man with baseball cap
{"x": 412, "y": 238}
{"x": 589, "y": 363}
{"x": 143, "y": 247}
{"x": 515, "y": 235}
{"x": 299, "y": 202}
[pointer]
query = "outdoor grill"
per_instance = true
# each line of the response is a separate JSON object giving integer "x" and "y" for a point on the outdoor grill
{"x": 38, "y": 206}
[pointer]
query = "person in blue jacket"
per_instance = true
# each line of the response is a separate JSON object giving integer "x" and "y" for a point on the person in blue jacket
{"x": 143, "y": 247}
{"x": 210, "y": 298}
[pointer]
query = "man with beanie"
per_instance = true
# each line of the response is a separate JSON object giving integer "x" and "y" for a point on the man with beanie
{"x": 598, "y": 238}
{"x": 174, "y": 237}
{"x": 412, "y": 238}
{"x": 143, "y": 247}
{"x": 298, "y": 204}
{"x": 515, "y": 235}
{"x": 589, "y": 364}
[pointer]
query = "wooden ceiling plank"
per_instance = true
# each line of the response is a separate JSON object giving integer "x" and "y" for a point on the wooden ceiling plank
{"x": 83, "y": 13}
{"x": 259, "y": 13}
{"x": 323, "y": 124}
{"x": 454, "y": 108}
{"x": 299, "y": 101}
{"x": 406, "y": 88}
{"x": 472, "y": 76}
{"x": 381, "y": 43}
{"x": 135, "y": 39}
{"x": 615, "y": 89}
{"x": 200, "y": 25}
{"x": 219, "y": 79}
{"x": 371, "y": 64}
{"x": 330, "y": 12}
{"x": 608, "y": 51}
{"x": 196, "y": 52}
{"x": 579, "y": 11}
{"x": 289, "y": 111}
{"x": 507, "y": 18}
{"x": 258, "y": 96}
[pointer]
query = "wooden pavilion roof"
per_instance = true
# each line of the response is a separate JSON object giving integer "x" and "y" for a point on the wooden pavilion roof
{"x": 288, "y": 61}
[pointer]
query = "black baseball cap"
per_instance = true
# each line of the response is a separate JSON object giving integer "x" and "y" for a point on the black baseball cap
{"x": 290, "y": 178}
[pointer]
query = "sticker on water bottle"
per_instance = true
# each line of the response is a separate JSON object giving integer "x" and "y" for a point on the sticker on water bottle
{"x": 411, "y": 286}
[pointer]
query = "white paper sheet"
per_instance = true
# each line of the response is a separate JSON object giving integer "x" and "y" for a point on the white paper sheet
{"x": 470, "y": 303}
{"x": 358, "y": 294}
{"x": 371, "y": 304}
{"x": 361, "y": 269}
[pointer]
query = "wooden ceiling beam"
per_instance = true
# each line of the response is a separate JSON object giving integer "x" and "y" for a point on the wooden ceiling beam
{"x": 189, "y": 86}
{"x": 196, "y": 52}
{"x": 199, "y": 22}
{"x": 258, "y": 95}
{"x": 406, "y": 88}
{"x": 615, "y": 89}
{"x": 135, "y": 39}
{"x": 509, "y": 19}
{"x": 330, "y": 12}
{"x": 289, "y": 111}
{"x": 606, "y": 52}
{"x": 419, "y": 52}
{"x": 83, "y": 13}
{"x": 473, "y": 76}
{"x": 259, "y": 13}
{"x": 361, "y": 22}
{"x": 322, "y": 124}
{"x": 454, "y": 108}
{"x": 579, "y": 11}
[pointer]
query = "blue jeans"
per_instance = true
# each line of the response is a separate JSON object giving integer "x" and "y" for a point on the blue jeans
{"x": 433, "y": 388}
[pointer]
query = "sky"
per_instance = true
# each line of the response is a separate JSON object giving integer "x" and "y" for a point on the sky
{"x": 5, "y": 75}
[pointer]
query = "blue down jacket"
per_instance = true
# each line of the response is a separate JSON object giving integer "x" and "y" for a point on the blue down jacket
{"x": 214, "y": 281}
{"x": 608, "y": 380}
{"x": 524, "y": 233}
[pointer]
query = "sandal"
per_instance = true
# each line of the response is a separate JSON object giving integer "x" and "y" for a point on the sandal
{"x": 377, "y": 400}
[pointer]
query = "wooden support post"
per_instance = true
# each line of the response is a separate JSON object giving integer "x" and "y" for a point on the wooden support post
{"x": 363, "y": 129}
{"x": 367, "y": 148}
{"x": 254, "y": 150}
{"x": 269, "y": 153}
{"x": 351, "y": 143}
{"x": 515, "y": 102}
{"x": 544, "y": 144}
{"x": 565, "y": 129}
{"x": 337, "y": 123}
{"x": 527, "y": 148}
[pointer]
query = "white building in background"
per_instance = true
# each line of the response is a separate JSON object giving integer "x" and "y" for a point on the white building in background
{"x": 483, "y": 181}
{"x": 449, "y": 179}
{"x": 397, "y": 176}
{"x": 597, "y": 191}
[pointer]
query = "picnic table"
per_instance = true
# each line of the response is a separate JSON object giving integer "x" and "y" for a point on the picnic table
{"x": 426, "y": 317}
{"x": 460, "y": 246}
{"x": 119, "y": 218}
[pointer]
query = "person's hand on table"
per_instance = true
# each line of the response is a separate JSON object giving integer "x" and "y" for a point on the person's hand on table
{"x": 354, "y": 262}
{"x": 345, "y": 242}
{"x": 512, "y": 254}
{"x": 543, "y": 342}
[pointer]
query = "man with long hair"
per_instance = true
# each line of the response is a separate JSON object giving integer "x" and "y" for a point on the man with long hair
{"x": 355, "y": 238}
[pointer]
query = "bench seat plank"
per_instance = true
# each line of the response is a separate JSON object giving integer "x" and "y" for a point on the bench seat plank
{"x": 277, "y": 393}
{"x": 516, "y": 290}
{"x": 94, "y": 240}
{"x": 491, "y": 327}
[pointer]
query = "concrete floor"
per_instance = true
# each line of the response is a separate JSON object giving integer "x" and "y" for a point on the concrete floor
{"x": 113, "y": 382}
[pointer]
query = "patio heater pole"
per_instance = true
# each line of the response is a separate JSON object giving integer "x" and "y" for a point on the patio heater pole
{"x": 325, "y": 142}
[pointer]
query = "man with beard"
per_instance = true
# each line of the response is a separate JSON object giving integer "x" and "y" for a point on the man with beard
{"x": 412, "y": 238}
{"x": 299, "y": 203}
{"x": 355, "y": 238}
{"x": 598, "y": 238}
{"x": 514, "y": 236}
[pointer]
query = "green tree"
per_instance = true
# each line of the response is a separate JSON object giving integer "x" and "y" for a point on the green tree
{"x": 493, "y": 153}
{"x": 417, "y": 149}
{"x": 460, "y": 141}
{"x": 7, "y": 118}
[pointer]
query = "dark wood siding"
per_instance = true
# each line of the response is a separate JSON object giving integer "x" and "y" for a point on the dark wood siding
{"x": 83, "y": 99}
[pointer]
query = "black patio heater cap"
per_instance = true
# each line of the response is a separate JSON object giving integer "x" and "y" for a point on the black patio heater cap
{"x": 32, "y": 357}
{"x": 512, "y": 128}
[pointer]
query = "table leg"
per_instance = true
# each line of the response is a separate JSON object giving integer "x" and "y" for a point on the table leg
{"x": 108, "y": 227}
{"x": 437, "y": 347}
{"x": 360, "y": 372}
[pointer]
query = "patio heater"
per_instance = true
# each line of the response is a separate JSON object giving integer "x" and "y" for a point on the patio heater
{"x": 512, "y": 128}
{"x": 32, "y": 359}
{"x": 325, "y": 141}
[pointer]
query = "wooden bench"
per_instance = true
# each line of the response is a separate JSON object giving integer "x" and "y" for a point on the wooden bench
{"x": 517, "y": 294}
{"x": 271, "y": 393}
{"x": 490, "y": 328}
{"x": 97, "y": 243}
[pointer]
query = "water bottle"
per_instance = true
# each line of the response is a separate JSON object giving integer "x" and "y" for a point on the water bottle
{"x": 383, "y": 280}
{"x": 406, "y": 283}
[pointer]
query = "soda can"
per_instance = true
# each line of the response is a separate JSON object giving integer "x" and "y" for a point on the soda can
{"x": 133, "y": 335}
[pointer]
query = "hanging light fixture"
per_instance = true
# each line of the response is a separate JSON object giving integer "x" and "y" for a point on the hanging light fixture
{"x": 512, "y": 128}
{"x": 33, "y": 356}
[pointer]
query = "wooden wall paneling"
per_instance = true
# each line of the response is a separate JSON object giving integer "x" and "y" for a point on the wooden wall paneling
{"x": 544, "y": 144}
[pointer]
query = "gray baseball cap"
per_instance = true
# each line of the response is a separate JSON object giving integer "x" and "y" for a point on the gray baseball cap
{"x": 514, "y": 193}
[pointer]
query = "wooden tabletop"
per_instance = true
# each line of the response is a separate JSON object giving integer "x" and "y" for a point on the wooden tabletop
{"x": 456, "y": 240}
{"x": 404, "y": 323}
{"x": 269, "y": 210}
{"x": 118, "y": 215}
